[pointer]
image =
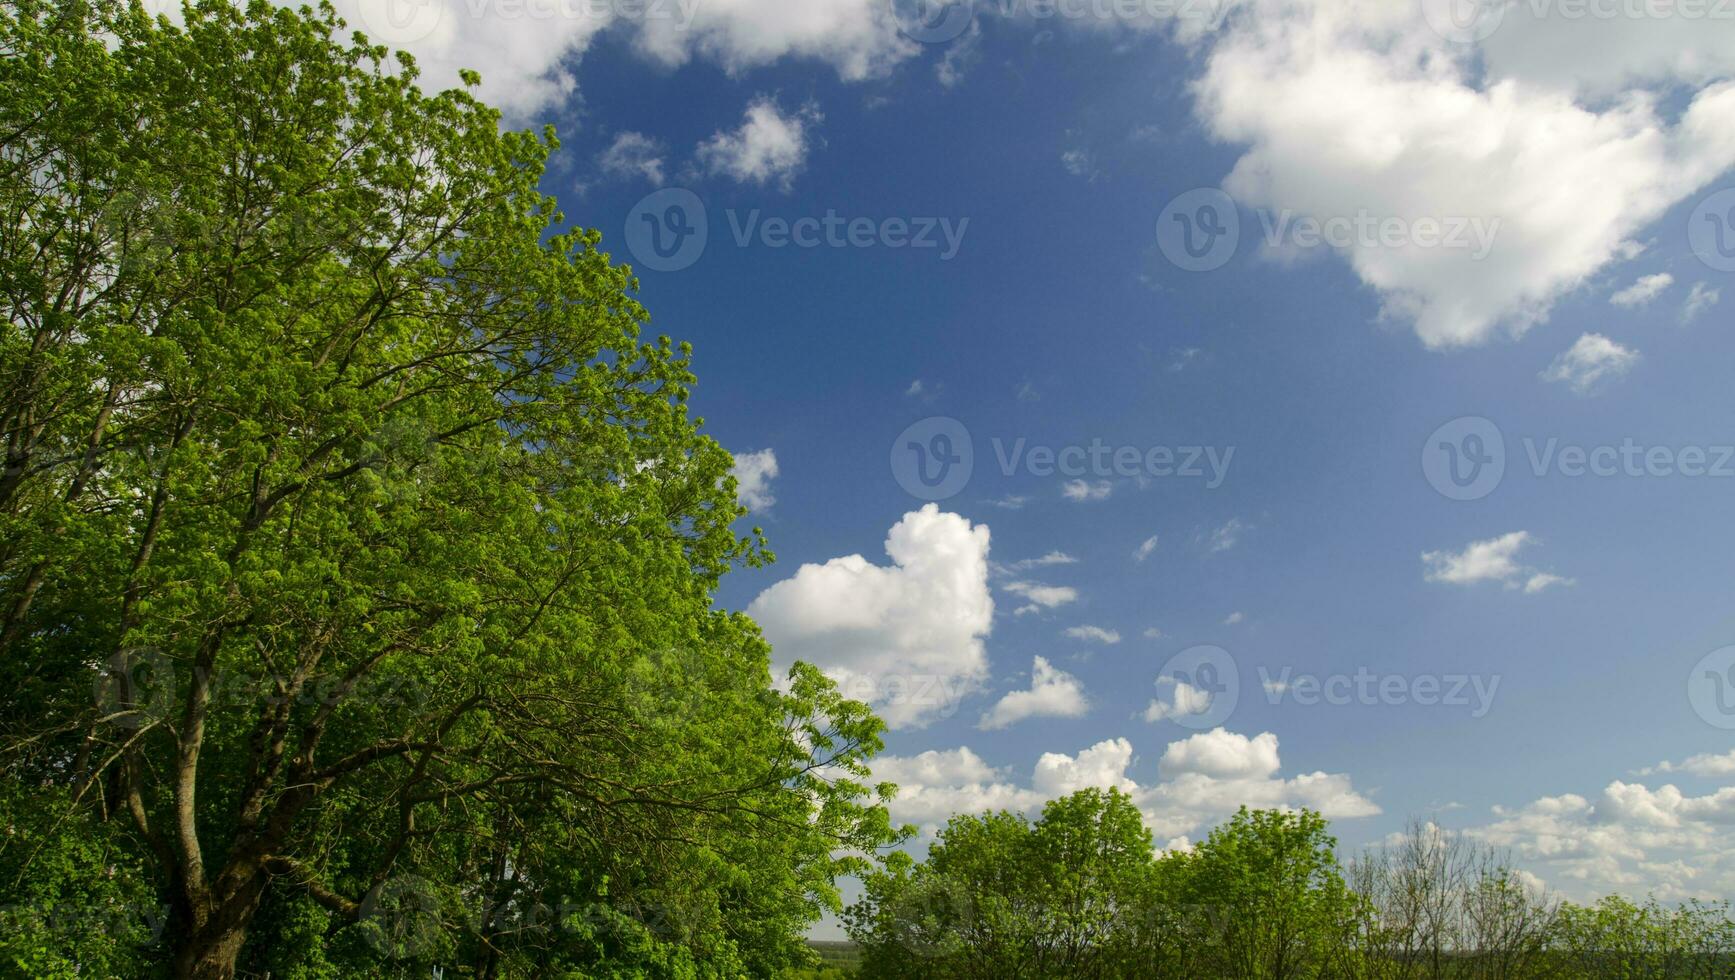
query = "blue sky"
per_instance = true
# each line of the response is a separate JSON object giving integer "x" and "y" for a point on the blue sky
{"x": 1589, "y": 609}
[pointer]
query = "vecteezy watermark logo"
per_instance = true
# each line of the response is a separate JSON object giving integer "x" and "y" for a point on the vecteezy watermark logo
{"x": 400, "y": 22}
{"x": 1367, "y": 231}
{"x": 932, "y": 21}
{"x": 400, "y": 917}
{"x": 1711, "y": 231}
{"x": 1711, "y": 687}
{"x": 1198, "y": 688}
{"x": 1465, "y": 459}
{"x": 933, "y": 458}
{"x": 667, "y": 230}
{"x": 1364, "y": 687}
{"x": 135, "y": 688}
{"x": 1465, "y": 21}
{"x": 1200, "y": 230}
{"x": 1101, "y": 460}
{"x": 835, "y": 231}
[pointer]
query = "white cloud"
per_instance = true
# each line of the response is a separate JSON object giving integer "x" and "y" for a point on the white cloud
{"x": 1039, "y": 597}
{"x": 1079, "y": 163}
{"x": 1146, "y": 548}
{"x": 1351, "y": 107}
{"x": 1011, "y": 501}
{"x": 906, "y": 637}
{"x": 1630, "y": 839}
{"x": 1225, "y": 537}
{"x": 1603, "y": 56}
{"x": 1701, "y": 298}
{"x": 858, "y": 38}
{"x": 938, "y": 783}
{"x": 1103, "y": 765}
{"x": 1079, "y": 491}
{"x": 525, "y": 61}
{"x": 1234, "y": 618}
{"x": 753, "y": 474}
{"x": 1643, "y": 291}
{"x": 1493, "y": 560}
{"x": 1153, "y": 633}
{"x": 1093, "y": 634}
{"x": 1212, "y": 773}
{"x": 1053, "y": 693}
{"x": 1202, "y": 780}
{"x": 1703, "y": 764}
{"x": 633, "y": 155}
{"x": 768, "y": 146}
{"x": 1590, "y": 360}
{"x": 1539, "y": 581}
{"x": 1184, "y": 703}
{"x": 526, "y": 52}
{"x": 1221, "y": 753}
{"x": 1052, "y": 558}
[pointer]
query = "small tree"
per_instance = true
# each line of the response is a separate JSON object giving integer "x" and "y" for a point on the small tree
{"x": 1000, "y": 896}
{"x": 1273, "y": 881}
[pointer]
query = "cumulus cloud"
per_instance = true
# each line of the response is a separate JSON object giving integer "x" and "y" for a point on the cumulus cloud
{"x": 906, "y": 637}
{"x": 770, "y": 146}
{"x": 1599, "y": 56}
{"x": 1053, "y": 693}
{"x": 1352, "y": 107}
{"x": 1039, "y": 597}
{"x": 1093, "y": 634}
{"x": 1629, "y": 838}
{"x": 857, "y": 38}
{"x": 1201, "y": 781}
{"x": 940, "y": 782}
{"x": 1493, "y": 560}
{"x": 1564, "y": 133}
{"x": 753, "y": 473}
{"x": 1222, "y": 754}
{"x": 633, "y": 155}
{"x": 1184, "y": 702}
{"x": 1591, "y": 360}
{"x": 526, "y": 52}
{"x": 1643, "y": 291}
{"x": 1703, "y": 764}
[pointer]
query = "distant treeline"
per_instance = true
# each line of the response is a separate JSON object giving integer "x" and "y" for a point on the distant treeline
{"x": 1081, "y": 892}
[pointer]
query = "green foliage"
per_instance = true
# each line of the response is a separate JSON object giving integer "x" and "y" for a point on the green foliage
{"x": 77, "y": 904}
{"x": 1000, "y": 896}
{"x": 1272, "y": 880}
{"x": 1081, "y": 894}
{"x": 1616, "y": 939}
{"x": 357, "y": 555}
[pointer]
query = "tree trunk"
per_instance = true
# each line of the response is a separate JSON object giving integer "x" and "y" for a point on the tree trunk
{"x": 211, "y": 948}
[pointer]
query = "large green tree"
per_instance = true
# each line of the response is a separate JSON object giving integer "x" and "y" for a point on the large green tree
{"x": 356, "y": 552}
